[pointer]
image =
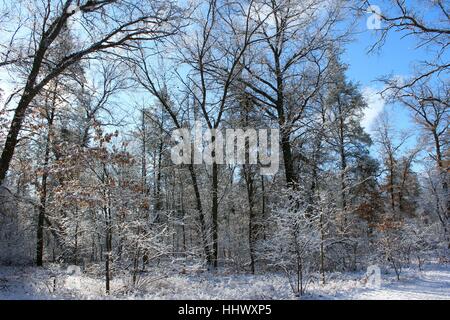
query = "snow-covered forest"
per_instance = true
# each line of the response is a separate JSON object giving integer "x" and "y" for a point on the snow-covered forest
{"x": 213, "y": 149}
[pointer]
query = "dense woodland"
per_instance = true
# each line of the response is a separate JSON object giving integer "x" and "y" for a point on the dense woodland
{"x": 91, "y": 92}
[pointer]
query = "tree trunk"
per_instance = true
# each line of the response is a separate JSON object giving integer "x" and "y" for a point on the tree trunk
{"x": 391, "y": 182}
{"x": 43, "y": 195}
{"x": 30, "y": 90}
{"x": 444, "y": 178}
{"x": 251, "y": 219}
{"x": 13, "y": 134}
{"x": 343, "y": 166}
{"x": 199, "y": 208}
{"x": 322, "y": 249}
{"x": 108, "y": 245}
{"x": 291, "y": 179}
{"x": 263, "y": 206}
{"x": 214, "y": 211}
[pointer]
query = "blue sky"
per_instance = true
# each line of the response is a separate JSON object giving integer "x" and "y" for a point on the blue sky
{"x": 396, "y": 57}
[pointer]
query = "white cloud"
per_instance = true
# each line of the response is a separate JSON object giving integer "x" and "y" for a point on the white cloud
{"x": 375, "y": 104}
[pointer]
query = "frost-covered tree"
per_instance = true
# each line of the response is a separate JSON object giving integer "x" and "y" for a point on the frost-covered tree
{"x": 295, "y": 240}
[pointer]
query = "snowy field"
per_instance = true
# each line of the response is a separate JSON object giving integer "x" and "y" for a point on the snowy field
{"x": 54, "y": 283}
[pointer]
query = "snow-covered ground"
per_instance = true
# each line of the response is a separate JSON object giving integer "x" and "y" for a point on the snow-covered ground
{"x": 432, "y": 284}
{"x": 55, "y": 283}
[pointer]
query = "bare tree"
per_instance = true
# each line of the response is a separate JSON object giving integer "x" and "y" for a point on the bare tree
{"x": 428, "y": 25}
{"x": 284, "y": 70}
{"x": 107, "y": 26}
{"x": 213, "y": 51}
{"x": 392, "y": 143}
{"x": 429, "y": 103}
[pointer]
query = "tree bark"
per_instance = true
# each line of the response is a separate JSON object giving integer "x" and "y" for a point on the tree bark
{"x": 201, "y": 215}
{"x": 214, "y": 212}
{"x": 43, "y": 193}
{"x": 251, "y": 219}
{"x": 108, "y": 246}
